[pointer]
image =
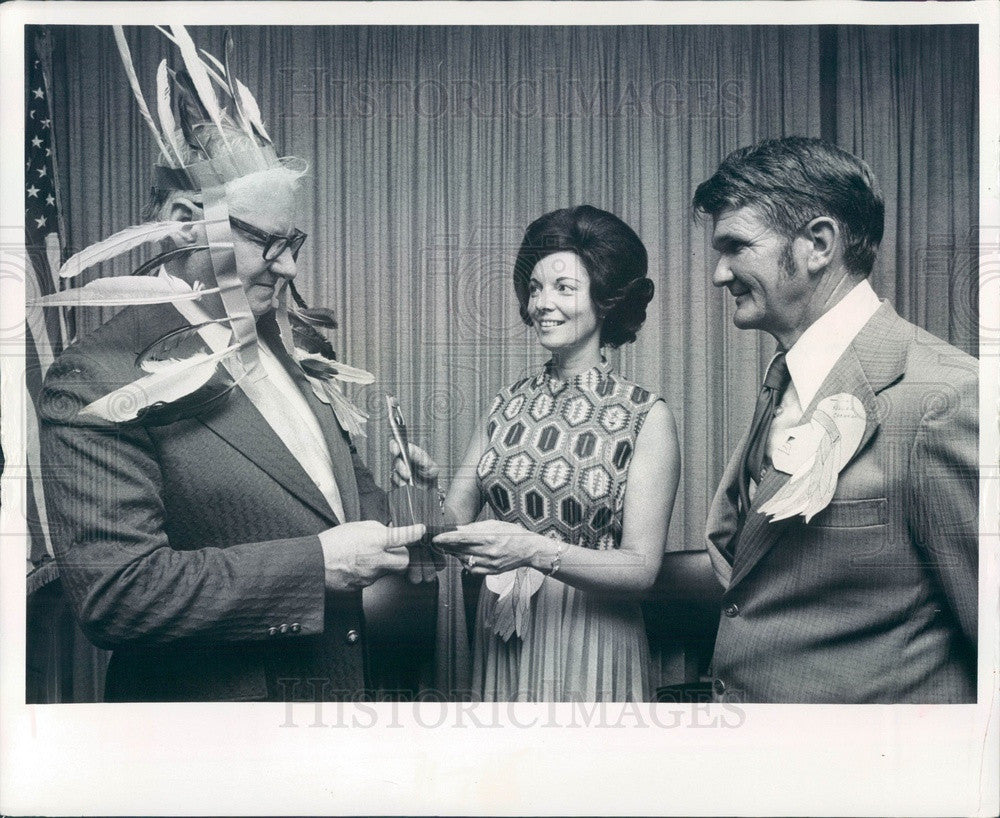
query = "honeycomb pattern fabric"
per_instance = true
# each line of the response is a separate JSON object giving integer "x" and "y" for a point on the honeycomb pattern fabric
{"x": 556, "y": 464}
{"x": 559, "y": 452}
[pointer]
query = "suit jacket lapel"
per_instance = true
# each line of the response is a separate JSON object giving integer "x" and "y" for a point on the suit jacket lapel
{"x": 723, "y": 514}
{"x": 244, "y": 428}
{"x": 875, "y": 359}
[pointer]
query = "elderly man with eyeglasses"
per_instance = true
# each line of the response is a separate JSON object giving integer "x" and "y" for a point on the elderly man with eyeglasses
{"x": 213, "y": 524}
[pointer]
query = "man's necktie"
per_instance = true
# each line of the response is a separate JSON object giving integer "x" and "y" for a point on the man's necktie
{"x": 775, "y": 382}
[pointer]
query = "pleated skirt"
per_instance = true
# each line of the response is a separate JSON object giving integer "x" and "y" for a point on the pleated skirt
{"x": 578, "y": 646}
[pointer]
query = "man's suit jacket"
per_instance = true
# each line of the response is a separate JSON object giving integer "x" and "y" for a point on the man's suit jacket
{"x": 875, "y": 600}
{"x": 191, "y": 549}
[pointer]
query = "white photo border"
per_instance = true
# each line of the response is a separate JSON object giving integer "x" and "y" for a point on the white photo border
{"x": 505, "y": 758}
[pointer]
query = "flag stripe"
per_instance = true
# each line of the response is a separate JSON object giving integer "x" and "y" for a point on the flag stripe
{"x": 45, "y": 329}
{"x": 37, "y": 357}
{"x": 39, "y": 329}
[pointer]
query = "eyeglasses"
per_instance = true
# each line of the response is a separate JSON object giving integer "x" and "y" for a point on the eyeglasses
{"x": 274, "y": 245}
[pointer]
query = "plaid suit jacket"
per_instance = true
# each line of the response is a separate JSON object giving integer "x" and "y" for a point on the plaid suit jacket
{"x": 191, "y": 549}
{"x": 875, "y": 600}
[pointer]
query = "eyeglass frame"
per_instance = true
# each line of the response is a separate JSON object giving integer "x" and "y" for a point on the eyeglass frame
{"x": 293, "y": 242}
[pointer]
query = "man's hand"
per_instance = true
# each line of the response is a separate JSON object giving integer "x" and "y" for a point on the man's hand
{"x": 357, "y": 554}
{"x": 426, "y": 471}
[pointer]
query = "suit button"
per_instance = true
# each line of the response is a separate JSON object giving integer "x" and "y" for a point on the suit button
{"x": 283, "y": 628}
{"x": 352, "y": 636}
{"x": 718, "y": 687}
{"x": 272, "y": 631}
{"x": 731, "y": 610}
{"x": 295, "y": 627}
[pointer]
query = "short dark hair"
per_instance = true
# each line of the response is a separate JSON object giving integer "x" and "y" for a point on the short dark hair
{"x": 793, "y": 180}
{"x": 613, "y": 256}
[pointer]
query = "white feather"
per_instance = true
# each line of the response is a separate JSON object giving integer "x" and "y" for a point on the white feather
{"x": 350, "y": 418}
{"x": 199, "y": 77}
{"x": 227, "y": 68}
{"x": 826, "y": 463}
{"x": 171, "y": 381}
{"x": 218, "y": 79}
{"x": 251, "y": 110}
{"x": 125, "y": 290}
{"x": 126, "y": 55}
{"x": 121, "y": 242}
{"x": 166, "y": 113}
{"x": 790, "y": 499}
{"x": 351, "y": 374}
{"x": 806, "y": 491}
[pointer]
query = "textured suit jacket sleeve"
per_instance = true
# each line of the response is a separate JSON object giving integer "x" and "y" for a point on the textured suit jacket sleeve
{"x": 126, "y": 584}
{"x": 944, "y": 497}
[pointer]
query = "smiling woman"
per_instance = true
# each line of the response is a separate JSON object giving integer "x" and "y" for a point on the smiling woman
{"x": 579, "y": 467}
{"x": 560, "y": 307}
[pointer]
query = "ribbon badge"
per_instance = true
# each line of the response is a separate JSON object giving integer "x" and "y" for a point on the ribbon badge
{"x": 814, "y": 454}
{"x": 512, "y": 611}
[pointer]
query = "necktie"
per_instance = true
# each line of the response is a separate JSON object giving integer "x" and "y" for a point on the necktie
{"x": 775, "y": 382}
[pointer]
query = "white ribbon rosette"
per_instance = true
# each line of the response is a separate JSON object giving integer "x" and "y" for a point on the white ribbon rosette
{"x": 512, "y": 609}
{"x": 814, "y": 454}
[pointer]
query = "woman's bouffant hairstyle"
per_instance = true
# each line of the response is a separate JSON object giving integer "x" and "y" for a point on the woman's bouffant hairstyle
{"x": 613, "y": 256}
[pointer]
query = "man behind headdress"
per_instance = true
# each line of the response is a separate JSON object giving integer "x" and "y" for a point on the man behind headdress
{"x": 213, "y": 524}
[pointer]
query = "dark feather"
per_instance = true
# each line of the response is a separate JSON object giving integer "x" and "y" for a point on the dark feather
{"x": 318, "y": 369}
{"x": 319, "y": 317}
{"x": 297, "y": 297}
{"x": 308, "y": 339}
{"x": 190, "y": 112}
{"x": 187, "y": 96}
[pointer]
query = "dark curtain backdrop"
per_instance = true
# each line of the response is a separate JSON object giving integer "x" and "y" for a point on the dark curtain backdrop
{"x": 431, "y": 149}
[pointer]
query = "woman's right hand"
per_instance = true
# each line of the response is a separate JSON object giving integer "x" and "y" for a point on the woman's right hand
{"x": 495, "y": 546}
{"x": 426, "y": 471}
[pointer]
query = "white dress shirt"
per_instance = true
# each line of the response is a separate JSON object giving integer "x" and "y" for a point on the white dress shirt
{"x": 813, "y": 356}
{"x": 286, "y": 410}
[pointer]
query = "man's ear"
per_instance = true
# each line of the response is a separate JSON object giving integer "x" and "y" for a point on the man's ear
{"x": 185, "y": 209}
{"x": 823, "y": 235}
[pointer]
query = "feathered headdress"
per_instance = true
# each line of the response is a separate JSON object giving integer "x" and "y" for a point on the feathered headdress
{"x": 220, "y": 137}
{"x": 206, "y": 139}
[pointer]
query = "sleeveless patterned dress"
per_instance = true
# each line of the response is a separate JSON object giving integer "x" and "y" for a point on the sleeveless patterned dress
{"x": 556, "y": 463}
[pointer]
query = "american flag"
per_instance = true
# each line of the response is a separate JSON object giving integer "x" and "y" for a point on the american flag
{"x": 41, "y": 216}
{"x": 46, "y": 330}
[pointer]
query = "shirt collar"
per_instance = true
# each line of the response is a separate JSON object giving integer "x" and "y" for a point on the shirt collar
{"x": 590, "y": 379}
{"x": 813, "y": 356}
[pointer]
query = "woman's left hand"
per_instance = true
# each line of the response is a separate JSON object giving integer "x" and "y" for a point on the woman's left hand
{"x": 490, "y": 546}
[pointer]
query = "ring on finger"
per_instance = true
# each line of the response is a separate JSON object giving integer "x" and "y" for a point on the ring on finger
{"x": 470, "y": 562}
